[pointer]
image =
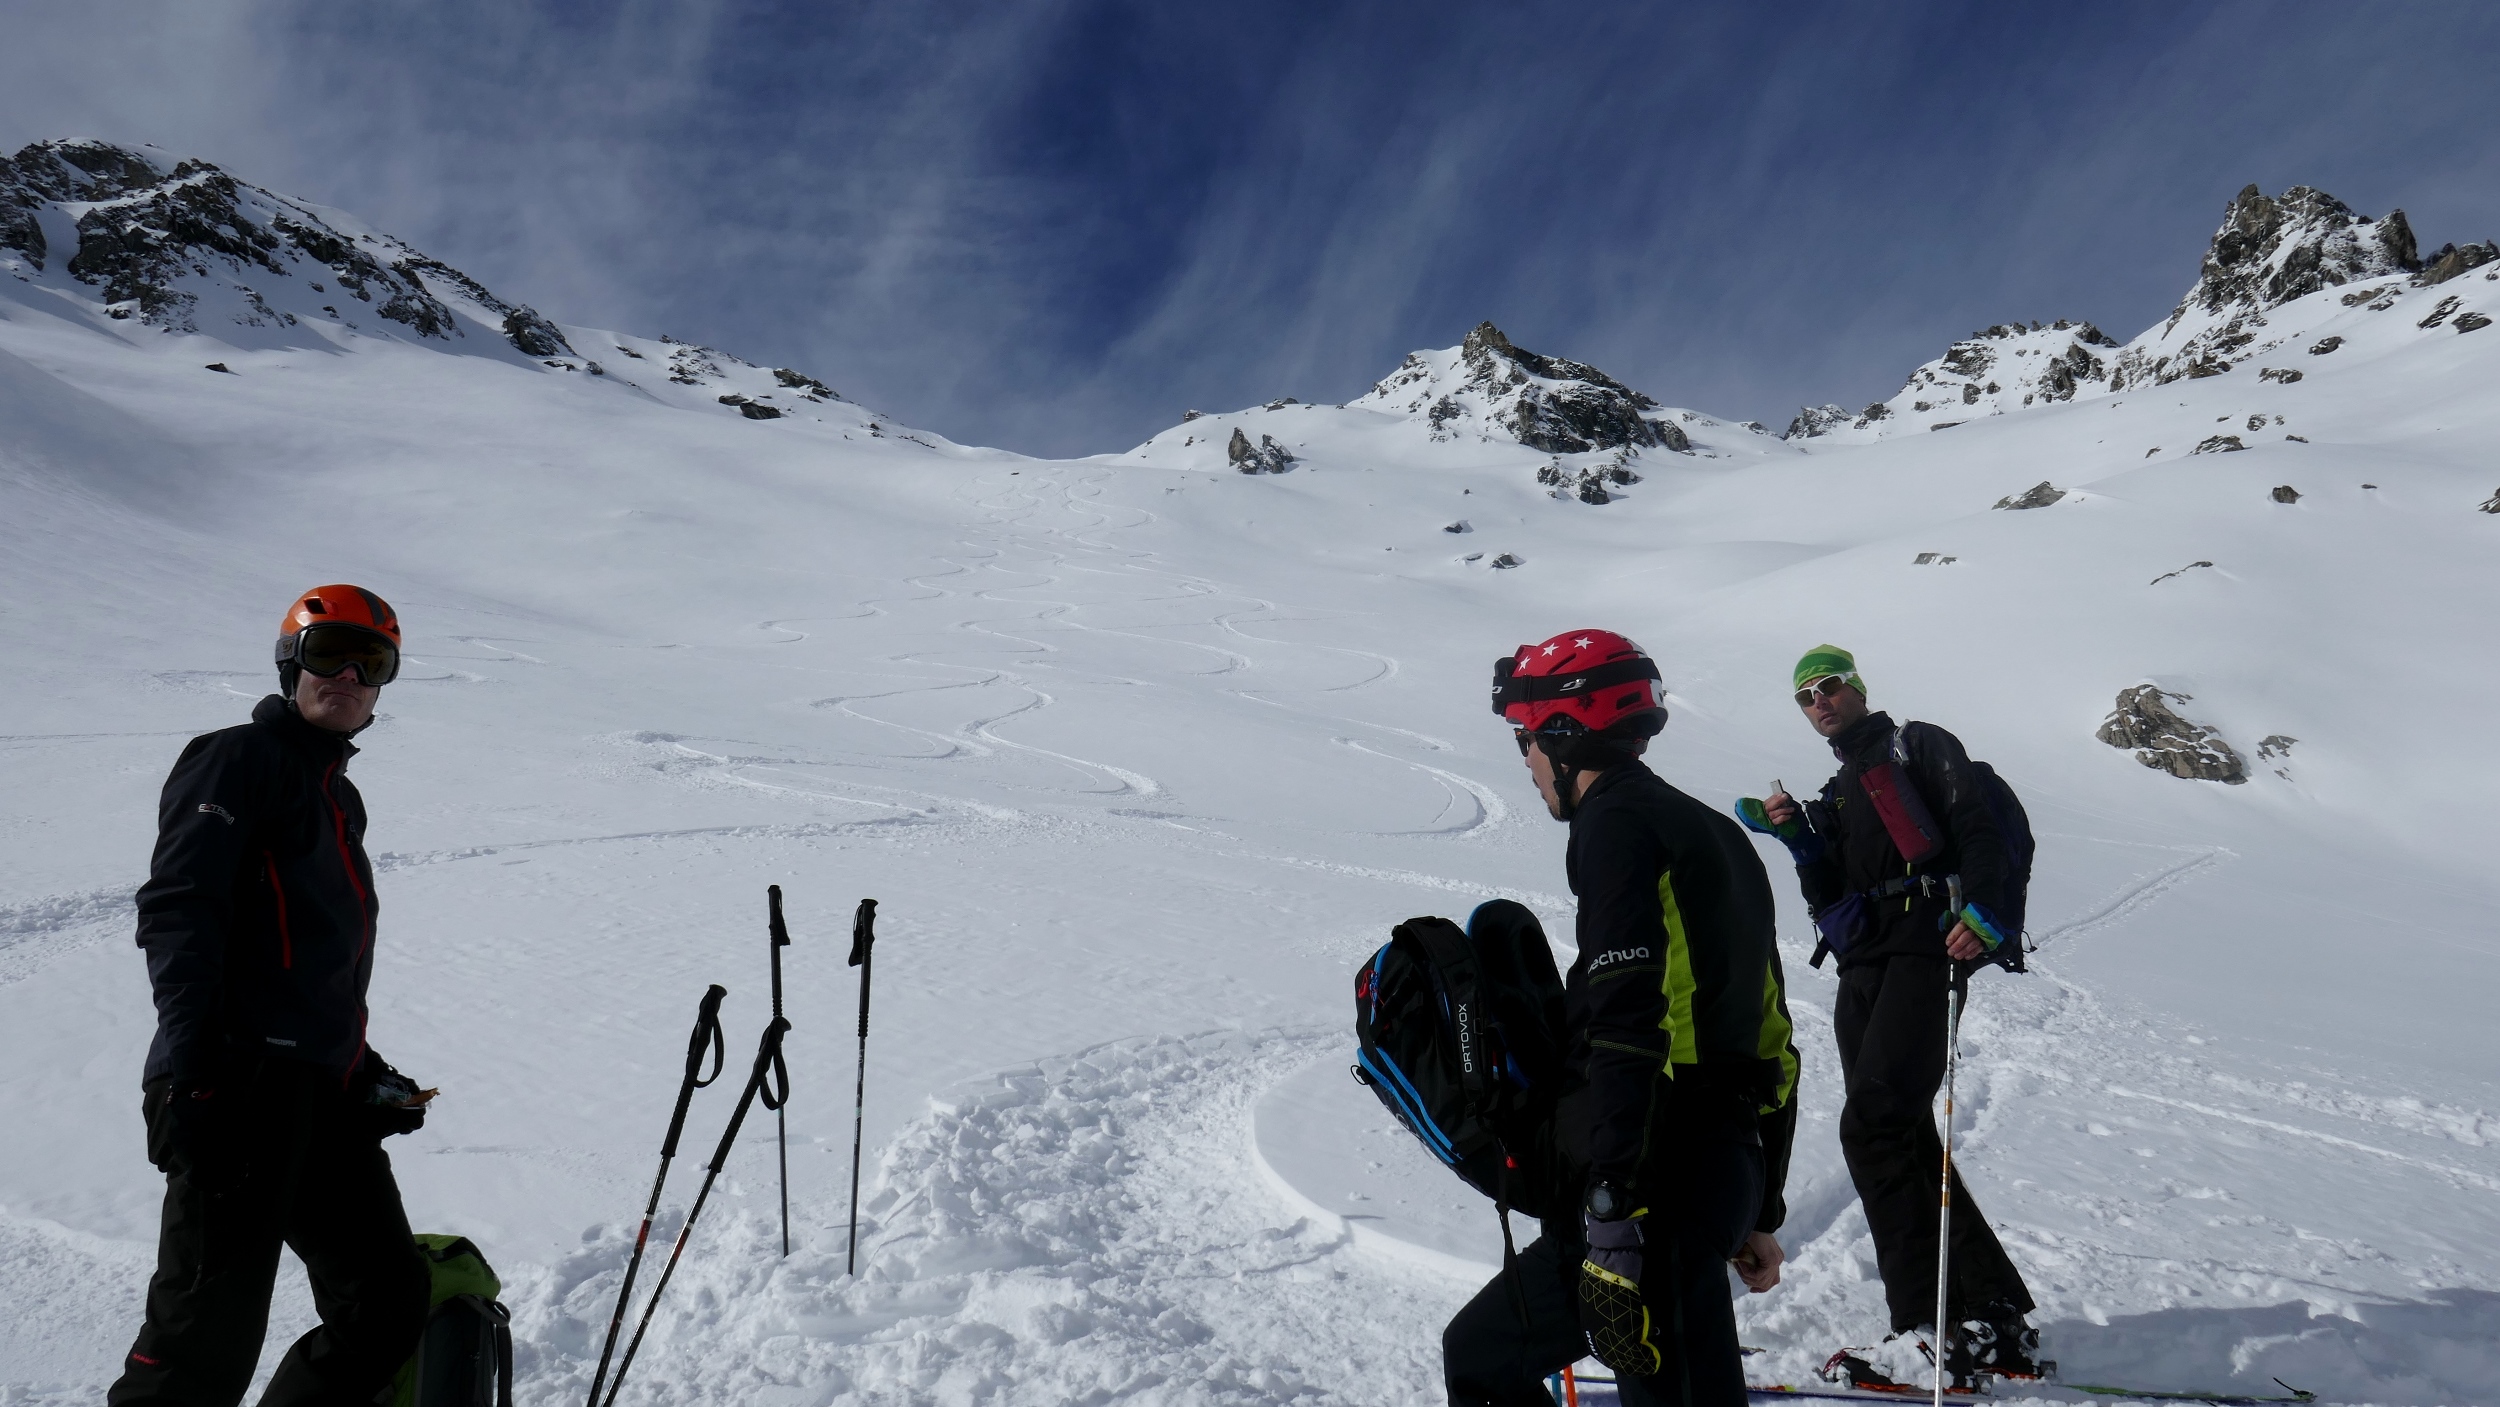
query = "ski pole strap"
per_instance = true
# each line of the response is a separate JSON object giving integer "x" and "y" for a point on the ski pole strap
{"x": 706, "y": 1025}
{"x": 775, "y": 1092}
{"x": 767, "y": 1054}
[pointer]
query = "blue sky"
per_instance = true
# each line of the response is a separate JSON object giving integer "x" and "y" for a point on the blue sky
{"x": 1054, "y": 226}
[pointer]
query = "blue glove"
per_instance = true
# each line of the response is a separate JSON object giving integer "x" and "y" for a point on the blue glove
{"x": 1804, "y": 846}
{"x": 1979, "y": 921}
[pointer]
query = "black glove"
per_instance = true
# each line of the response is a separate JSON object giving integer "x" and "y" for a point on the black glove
{"x": 389, "y": 1101}
{"x": 191, "y": 1133}
{"x": 1612, "y": 1312}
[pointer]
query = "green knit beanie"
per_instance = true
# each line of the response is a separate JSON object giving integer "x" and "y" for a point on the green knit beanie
{"x": 1824, "y": 661}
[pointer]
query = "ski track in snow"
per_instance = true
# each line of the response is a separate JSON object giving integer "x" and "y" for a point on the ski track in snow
{"x": 35, "y": 934}
{"x": 1079, "y": 1230}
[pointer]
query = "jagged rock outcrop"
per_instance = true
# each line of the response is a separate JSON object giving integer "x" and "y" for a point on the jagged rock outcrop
{"x": 2144, "y": 721}
{"x": 161, "y": 240}
{"x": 2454, "y": 259}
{"x": 1589, "y": 484}
{"x": 2039, "y": 495}
{"x": 1994, "y": 370}
{"x": 1815, "y": 420}
{"x": 1547, "y": 403}
{"x": 2269, "y": 251}
{"x": 1266, "y": 457}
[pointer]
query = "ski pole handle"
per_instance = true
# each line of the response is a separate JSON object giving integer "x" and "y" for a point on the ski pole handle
{"x": 863, "y": 942}
{"x": 706, "y": 1025}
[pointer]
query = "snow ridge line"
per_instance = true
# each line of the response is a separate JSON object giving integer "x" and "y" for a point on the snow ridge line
{"x": 2473, "y": 1179}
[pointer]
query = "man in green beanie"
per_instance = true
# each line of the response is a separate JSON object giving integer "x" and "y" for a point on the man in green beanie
{"x": 1874, "y": 852}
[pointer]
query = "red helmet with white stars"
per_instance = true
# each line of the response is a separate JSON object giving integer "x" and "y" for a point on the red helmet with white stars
{"x": 1581, "y": 679}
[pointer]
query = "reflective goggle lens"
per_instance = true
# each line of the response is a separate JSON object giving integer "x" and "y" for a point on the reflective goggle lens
{"x": 327, "y": 649}
{"x": 1824, "y": 687}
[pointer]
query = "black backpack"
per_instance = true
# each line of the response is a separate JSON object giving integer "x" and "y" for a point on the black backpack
{"x": 1462, "y": 1038}
{"x": 2014, "y": 828}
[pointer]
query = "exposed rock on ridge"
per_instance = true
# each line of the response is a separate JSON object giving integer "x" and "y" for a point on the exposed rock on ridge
{"x": 2269, "y": 251}
{"x": 1546, "y": 403}
{"x": 155, "y": 238}
{"x": 1994, "y": 370}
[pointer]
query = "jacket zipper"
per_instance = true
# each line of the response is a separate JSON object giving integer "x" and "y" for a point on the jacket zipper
{"x": 286, "y": 938}
{"x": 364, "y": 905}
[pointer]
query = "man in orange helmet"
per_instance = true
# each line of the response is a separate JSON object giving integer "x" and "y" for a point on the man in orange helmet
{"x": 265, "y": 1108}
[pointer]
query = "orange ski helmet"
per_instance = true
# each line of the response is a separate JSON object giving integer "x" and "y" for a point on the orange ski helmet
{"x": 1591, "y": 681}
{"x": 332, "y": 627}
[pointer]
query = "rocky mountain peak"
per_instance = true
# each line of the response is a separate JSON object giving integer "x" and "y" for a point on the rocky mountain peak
{"x": 177, "y": 243}
{"x": 2002, "y": 367}
{"x": 1546, "y": 403}
{"x": 2273, "y": 249}
{"x": 2269, "y": 251}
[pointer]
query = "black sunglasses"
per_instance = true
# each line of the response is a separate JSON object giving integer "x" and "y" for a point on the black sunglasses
{"x": 1526, "y": 736}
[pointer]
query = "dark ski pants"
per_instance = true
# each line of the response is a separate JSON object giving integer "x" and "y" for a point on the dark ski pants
{"x": 304, "y": 1169}
{"x": 1890, "y": 1019}
{"x": 1490, "y": 1358}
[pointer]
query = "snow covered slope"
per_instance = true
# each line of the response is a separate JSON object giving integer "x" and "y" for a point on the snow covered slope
{"x": 1142, "y": 754}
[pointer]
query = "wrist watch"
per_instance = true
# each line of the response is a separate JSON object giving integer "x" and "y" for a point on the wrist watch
{"x": 1607, "y": 1202}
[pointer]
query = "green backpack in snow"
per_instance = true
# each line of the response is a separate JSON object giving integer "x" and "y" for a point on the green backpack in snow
{"x": 465, "y": 1357}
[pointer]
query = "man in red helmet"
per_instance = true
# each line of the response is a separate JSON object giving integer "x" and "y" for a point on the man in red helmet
{"x": 265, "y": 1108}
{"x": 1677, "y": 1137}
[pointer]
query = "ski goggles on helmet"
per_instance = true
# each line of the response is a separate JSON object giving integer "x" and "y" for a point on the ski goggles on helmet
{"x": 1826, "y": 687}
{"x": 327, "y": 651}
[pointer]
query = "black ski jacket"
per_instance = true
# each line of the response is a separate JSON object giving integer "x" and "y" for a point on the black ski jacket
{"x": 1858, "y": 855}
{"x": 257, "y": 917}
{"x": 1677, "y": 1007}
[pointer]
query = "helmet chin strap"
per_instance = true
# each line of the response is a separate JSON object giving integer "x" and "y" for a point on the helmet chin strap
{"x": 1566, "y": 788}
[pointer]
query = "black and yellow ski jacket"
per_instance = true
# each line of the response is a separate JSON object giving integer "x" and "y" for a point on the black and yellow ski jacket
{"x": 1678, "y": 1008}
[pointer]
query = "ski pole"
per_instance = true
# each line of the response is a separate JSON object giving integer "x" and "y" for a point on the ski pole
{"x": 706, "y": 1027}
{"x": 1944, "y": 1198}
{"x": 863, "y": 940}
{"x": 759, "y": 1086}
{"x": 781, "y": 1117}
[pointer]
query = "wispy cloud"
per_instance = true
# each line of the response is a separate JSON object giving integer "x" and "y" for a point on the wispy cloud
{"x": 1055, "y": 225}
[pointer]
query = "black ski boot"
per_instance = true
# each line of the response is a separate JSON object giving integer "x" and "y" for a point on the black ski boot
{"x": 1998, "y": 1344}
